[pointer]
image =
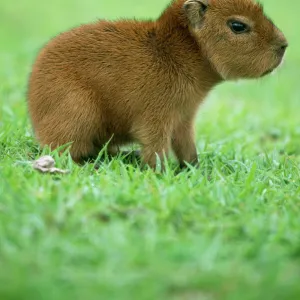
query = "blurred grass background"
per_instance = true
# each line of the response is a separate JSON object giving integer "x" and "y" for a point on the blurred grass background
{"x": 125, "y": 234}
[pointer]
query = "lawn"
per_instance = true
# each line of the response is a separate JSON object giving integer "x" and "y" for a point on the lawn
{"x": 228, "y": 230}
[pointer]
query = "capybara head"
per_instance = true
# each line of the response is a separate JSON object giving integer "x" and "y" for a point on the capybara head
{"x": 236, "y": 36}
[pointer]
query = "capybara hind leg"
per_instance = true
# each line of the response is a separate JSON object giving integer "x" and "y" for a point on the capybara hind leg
{"x": 84, "y": 151}
{"x": 80, "y": 151}
{"x": 74, "y": 119}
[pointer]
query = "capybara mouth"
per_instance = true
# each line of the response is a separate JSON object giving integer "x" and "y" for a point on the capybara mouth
{"x": 267, "y": 72}
{"x": 272, "y": 69}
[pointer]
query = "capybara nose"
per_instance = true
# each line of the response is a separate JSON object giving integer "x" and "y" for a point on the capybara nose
{"x": 282, "y": 48}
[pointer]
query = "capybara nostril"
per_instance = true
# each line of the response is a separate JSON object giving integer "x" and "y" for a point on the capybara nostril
{"x": 282, "y": 48}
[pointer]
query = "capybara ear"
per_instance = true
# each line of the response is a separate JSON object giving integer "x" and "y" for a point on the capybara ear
{"x": 195, "y": 10}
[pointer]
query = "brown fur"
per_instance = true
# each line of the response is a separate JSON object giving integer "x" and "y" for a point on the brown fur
{"x": 132, "y": 81}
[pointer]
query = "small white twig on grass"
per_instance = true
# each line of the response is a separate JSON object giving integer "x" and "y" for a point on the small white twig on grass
{"x": 46, "y": 164}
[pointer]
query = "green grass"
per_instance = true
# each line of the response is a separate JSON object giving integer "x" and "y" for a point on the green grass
{"x": 229, "y": 230}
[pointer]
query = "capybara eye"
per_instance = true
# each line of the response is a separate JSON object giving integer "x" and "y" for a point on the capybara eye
{"x": 238, "y": 27}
